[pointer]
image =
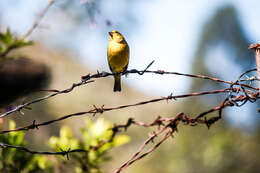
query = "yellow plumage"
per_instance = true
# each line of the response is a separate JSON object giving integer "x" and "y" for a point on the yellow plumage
{"x": 117, "y": 56}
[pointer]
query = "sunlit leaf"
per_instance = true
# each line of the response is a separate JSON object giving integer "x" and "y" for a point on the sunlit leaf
{"x": 65, "y": 132}
{"x": 6, "y": 37}
{"x": 105, "y": 147}
{"x": 15, "y": 138}
{"x": 121, "y": 140}
{"x": 12, "y": 125}
{"x": 22, "y": 43}
{"x": 1, "y": 49}
{"x": 42, "y": 162}
{"x": 101, "y": 129}
{"x": 64, "y": 142}
{"x": 52, "y": 142}
{"x": 78, "y": 170}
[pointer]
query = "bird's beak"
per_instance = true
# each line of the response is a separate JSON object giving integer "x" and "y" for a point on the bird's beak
{"x": 110, "y": 33}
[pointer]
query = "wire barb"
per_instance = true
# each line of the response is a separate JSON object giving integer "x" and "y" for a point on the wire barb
{"x": 237, "y": 94}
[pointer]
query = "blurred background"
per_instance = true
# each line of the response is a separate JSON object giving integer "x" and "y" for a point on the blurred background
{"x": 199, "y": 38}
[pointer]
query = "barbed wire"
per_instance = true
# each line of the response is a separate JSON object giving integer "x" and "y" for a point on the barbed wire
{"x": 231, "y": 100}
{"x": 88, "y": 79}
{"x": 95, "y": 110}
{"x": 63, "y": 153}
{"x": 237, "y": 94}
{"x": 159, "y": 121}
{"x": 168, "y": 130}
{"x": 171, "y": 127}
{"x": 115, "y": 129}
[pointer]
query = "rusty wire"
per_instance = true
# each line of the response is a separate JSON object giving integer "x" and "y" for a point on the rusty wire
{"x": 63, "y": 153}
{"x": 95, "y": 110}
{"x": 166, "y": 129}
{"x": 89, "y": 79}
{"x": 238, "y": 93}
{"x": 173, "y": 122}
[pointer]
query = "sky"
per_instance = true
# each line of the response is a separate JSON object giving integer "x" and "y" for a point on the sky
{"x": 167, "y": 31}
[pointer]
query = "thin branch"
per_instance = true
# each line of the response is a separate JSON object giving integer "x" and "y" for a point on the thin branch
{"x": 38, "y": 19}
{"x": 35, "y": 24}
{"x": 8, "y": 49}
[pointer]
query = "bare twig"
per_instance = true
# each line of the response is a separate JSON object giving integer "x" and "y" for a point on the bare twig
{"x": 38, "y": 19}
{"x": 35, "y": 24}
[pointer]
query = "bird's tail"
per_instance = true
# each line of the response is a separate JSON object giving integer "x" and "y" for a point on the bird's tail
{"x": 117, "y": 84}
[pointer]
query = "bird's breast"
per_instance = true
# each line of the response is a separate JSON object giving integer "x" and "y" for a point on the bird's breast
{"x": 118, "y": 56}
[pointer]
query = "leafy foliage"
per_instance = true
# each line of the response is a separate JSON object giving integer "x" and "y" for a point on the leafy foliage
{"x": 98, "y": 138}
{"x": 8, "y": 42}
{"x": 12, "y": 160}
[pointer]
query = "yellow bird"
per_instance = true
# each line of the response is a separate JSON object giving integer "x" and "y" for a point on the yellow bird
{"x": 117, "y": 56}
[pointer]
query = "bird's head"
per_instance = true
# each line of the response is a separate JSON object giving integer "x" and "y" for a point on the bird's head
{"x": 116, "y": 36}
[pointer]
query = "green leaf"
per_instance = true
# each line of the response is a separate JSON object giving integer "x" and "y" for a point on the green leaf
{"x": 88, "y": 140}
{"x": 96, "y": 132}
{"x": 1, "y": 49}
{"x": 52, "y": 142}
{"x": 65, "y": 132}
{"x": 121, "y": 140}
{"x": 20, "y": 160}
{"x": 101, "y": 129}
{"x": 22, "y": 43}
{"x": 42, "y": 162}
{"x": 15, "y": 138}
{"x": 12, "y": 125}
{"x": 18, "y": 139}
{"x": 64, "y": 142}
{"x": 7, "y": 37}
{"x": 78, "y": 170}
{"x": 105, "y": 147}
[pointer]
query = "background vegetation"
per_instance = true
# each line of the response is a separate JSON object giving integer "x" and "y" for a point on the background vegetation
{"x": 225, "y": 147}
